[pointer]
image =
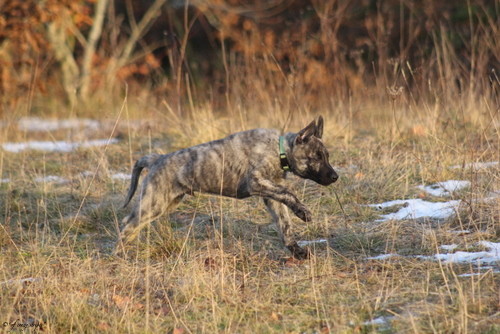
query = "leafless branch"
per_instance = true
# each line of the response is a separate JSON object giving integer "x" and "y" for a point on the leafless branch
{"x": 94, "y": 35}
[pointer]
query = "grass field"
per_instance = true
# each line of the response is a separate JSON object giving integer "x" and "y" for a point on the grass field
{"x": 220, "y": 268}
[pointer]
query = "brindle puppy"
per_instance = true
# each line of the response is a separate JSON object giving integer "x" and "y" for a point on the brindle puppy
{"x": 241, "y": 165}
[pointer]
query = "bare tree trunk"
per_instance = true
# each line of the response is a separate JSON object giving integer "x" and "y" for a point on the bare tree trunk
{"x": 77, "y": 77}
{"x": 138, "y": 31}
{"x": 63, "y": 52}
{"x": 94, "y": 35}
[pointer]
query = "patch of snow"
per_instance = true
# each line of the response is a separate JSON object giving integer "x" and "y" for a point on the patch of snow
{"x": 418, "y": 208}
{"x": 6, "y": 180}
{"x": 378, "y": 321}
{"x": 460, "y": 232}
{"x": 490, "y": 256}
{"x": 55, "y": 146}
{"x": 470, "y": 274}
{"x": 87, "y": 173}
{"x": 477, "y": 165}
{"x": 448, "y": 247}
{"x": 382, "y": 257}
{"x": 121, "y": 176}
{"x": 50, "y": 146}
{"x": 445, "y": 188}
{"x": 479, "y": 273}
{"x": 96, "y": 142}
{"x": 495, "y": 246}
{"x": 303, "y": 243}
{"x": 492, "y": 196}
{"x": 51, "y": 179}
{"x": 40, "y": 124}
{"x": 22, "y": 281}
{"x": 346, "y": 169}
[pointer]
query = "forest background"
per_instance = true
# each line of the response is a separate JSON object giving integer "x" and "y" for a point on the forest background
{"x": 212, "y": 51}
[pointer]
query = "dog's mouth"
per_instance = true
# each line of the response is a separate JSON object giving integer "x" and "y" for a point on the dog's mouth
{"x": 327, "y": 182}
{"x": 327, "y": 178}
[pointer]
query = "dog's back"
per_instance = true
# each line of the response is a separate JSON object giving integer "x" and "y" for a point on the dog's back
{"x": 218, "y": 167}
{"x": 222, "y": 167}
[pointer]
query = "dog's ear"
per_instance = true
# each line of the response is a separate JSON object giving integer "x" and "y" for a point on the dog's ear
{"x": 304, "y": 134}
{"x": 319, "y": 127}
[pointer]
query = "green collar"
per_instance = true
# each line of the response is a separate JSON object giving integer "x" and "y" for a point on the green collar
{"x": 283, "y": 160}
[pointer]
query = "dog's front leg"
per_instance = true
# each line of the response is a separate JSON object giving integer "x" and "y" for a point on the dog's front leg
{"x": 279, "y": 193}
{"x": 280, "y": 215}
{"x": 281, "y": 218}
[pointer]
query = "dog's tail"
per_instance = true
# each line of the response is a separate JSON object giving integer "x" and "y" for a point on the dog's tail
{"x": 139, "y": 165}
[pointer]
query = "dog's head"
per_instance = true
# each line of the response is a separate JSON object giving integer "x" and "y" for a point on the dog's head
{"x": 309, "y": 156}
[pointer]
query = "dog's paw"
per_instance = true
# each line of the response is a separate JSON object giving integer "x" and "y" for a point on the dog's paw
{"x": 303, "y": 213}
{"x": 298, "y": 252}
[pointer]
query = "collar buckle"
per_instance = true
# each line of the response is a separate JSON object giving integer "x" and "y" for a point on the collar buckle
{"x": 283, "y": 159}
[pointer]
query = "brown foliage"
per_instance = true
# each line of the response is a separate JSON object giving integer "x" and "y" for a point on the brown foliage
{"x": 24, "y": 47}
{"x": 318, "y": 47}
{"x": 331, "y": 42}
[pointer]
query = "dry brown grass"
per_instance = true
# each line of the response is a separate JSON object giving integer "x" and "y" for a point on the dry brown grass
{"x": 216, "y": 266}
{"x": 221, "y": 268}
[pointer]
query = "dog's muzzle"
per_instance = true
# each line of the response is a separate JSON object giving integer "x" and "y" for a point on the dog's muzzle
{"x": 328, "y": 177}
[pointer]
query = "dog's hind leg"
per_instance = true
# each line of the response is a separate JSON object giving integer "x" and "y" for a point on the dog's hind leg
{"x": 151, "y": 205}
{"x": 281, "y": 217}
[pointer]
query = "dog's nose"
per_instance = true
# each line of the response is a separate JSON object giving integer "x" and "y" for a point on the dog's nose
{"x": 334, "y": 176}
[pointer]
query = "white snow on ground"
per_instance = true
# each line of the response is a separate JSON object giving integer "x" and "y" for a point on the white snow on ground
{"x": 460, "y": 232}
{"x": 382, "y": 257}
{"x": 121, "y": 176}
{"x": 492, "y": 196}
{"x": 480, "y": 273}
{"x": 40, "y": 124}
{"x": 418, "y": 208}
{"x": 60, "y": 146}
{"x": 477, "y": 165}
{"x": 55, "y": 146}
{"x": 303, "y": 243}
{"x": 87, "y": 173}
{"x": 7, "y": 180}
{"x": 445, "y": 188}
{"x": 21, "y": 281}
{"x": 490, "y": 257}
{"x": 378, "y": 321}
{"x": 51, "y": 179}
{"x": 448, "y": 247}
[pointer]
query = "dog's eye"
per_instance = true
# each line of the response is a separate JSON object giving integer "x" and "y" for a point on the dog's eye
{"x": 316, "y": 156}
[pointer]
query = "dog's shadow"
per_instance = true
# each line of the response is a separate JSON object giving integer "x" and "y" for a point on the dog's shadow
{"x": 204, "y": 226}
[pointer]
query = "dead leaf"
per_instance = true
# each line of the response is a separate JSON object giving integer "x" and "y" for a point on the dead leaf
{"x": 419, "y": 130}
{"x": 276, "y": 317}
{"x": 211, "y": 263}
{"x": 359, "y": 176}
{"x": 103, "y": 326}
{"x": 126, "y": 302}
{"x": 162, "y": 310}
{"x": 178, "y": 330}
{"x": 292, "y": 262}
{"x": 324, "y": 330}
{"x": 121, "y": 302}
